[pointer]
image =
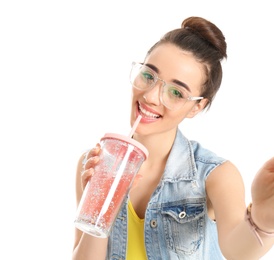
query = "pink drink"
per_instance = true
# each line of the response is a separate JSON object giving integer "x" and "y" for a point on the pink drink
{"x": 96, "y": 197}
{"x": 101, "y": 201}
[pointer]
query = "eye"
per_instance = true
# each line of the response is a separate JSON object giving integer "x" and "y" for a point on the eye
{"x": 147, "y": 77}
{"x": 176, "y": 93}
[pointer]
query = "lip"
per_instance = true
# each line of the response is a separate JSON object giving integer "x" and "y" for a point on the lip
{"x": 146, "y": 118}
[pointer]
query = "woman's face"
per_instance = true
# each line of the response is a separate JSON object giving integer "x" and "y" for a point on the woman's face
{"x": 172, "y": 65}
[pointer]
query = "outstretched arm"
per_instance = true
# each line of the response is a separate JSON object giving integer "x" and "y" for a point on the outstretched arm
{"x": 262, "y": 192}
{"x": 226, "y": 192}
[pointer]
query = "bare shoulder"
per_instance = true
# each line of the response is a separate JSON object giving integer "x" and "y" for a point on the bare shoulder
{"x": 225, "y": 178}
{"x": 225, "y": 173}
{"x": 226, "y": 192}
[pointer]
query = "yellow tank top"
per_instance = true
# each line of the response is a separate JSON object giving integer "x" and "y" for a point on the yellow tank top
{"x": 135, "y": 244}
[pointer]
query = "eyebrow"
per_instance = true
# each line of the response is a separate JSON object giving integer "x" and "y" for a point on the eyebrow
{"x": 176, "y": 81}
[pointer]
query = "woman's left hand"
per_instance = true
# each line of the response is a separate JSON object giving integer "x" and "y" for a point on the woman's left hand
{"x": 262, "y": 192}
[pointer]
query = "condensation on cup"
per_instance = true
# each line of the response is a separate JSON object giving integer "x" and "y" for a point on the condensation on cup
{"x": 120, "y": 160}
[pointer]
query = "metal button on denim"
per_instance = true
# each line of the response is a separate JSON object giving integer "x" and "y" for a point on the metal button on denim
{"x": 182, "y": 214}
{"x": 153, "y": 223}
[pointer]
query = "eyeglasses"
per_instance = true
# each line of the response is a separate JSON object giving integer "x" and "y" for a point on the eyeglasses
{"x": 172, "y": 96}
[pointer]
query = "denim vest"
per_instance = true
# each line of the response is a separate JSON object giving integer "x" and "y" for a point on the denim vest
{"x": 176, "y": 222}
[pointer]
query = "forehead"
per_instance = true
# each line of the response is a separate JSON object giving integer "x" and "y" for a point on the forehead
{"x": 175, "y": 63}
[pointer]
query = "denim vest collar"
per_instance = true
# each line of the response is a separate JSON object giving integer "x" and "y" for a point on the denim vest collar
{"x": 181, "y": 155}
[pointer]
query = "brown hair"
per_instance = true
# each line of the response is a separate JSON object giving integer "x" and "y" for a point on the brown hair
{"x": 207, "y": 43}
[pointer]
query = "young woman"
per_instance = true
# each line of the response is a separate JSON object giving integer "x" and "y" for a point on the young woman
{"x": 188, "y": 203}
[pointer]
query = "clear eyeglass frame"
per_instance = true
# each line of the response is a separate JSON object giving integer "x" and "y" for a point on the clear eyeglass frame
{"x": 169, "y": 100}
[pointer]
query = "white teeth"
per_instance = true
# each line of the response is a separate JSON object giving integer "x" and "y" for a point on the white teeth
{"x": 147, "y": 113}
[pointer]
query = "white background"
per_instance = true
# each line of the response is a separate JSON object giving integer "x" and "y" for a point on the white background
{"x": 64, "y": 82}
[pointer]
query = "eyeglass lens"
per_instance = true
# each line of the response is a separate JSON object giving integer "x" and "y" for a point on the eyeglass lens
{"x": 143, "y": 78}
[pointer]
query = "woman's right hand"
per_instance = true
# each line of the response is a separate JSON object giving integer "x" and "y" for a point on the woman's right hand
{"x": 87, "y": 246}
{"x": 90, "y": 160}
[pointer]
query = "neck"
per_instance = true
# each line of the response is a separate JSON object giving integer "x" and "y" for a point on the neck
{"x": 158, "y": 145}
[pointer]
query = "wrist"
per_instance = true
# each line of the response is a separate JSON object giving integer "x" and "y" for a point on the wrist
{"x": 258, "y": 231}
{"x": 259, "y": 218}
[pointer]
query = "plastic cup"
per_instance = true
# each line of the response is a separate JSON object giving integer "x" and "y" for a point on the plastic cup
{"x": 120, "y": 160}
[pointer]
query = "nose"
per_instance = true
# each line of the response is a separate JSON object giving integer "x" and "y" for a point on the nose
{"x": 152, "y": 96}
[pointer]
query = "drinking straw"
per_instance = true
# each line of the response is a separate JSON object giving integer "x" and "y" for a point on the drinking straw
{"x": 115, "y": 182}
{"x": 119, "y": 172}
{"x": 137, "y": 121}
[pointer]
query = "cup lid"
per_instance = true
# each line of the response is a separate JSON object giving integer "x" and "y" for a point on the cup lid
{"x": 128, "y": 140}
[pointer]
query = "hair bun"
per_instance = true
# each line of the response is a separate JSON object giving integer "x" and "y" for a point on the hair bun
{"x": 207, "y": 31}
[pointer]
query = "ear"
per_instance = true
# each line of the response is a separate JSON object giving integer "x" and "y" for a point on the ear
{"x": 197, "y": 108}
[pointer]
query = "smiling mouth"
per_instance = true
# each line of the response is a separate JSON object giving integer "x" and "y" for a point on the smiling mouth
{"x": 147, "y": 114}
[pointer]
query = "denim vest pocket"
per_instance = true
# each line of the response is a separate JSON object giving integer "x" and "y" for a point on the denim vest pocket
{"x": 183, "y": 224}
